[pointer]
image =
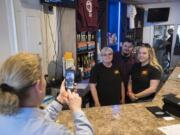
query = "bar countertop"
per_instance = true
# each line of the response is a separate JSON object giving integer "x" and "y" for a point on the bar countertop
{"x": 133, "y": 119}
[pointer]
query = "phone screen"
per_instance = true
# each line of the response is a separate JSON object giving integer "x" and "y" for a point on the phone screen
{"x": 69, "y": 79}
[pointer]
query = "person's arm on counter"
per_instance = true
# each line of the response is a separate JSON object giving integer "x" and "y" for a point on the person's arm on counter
{"x": 94, "y": 94}
{"x": 122, "y": 93}
{"x": 93, "y": 82}
{"x": 130, "y": 92}
{"x": 129, "y": 85}
{"x": 152, "y": 89}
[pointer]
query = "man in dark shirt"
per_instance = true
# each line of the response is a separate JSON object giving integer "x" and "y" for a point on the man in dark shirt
{"x": 125, "y": 60}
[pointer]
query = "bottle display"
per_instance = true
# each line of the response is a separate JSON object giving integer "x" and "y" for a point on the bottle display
{"x": 86, "y": 52}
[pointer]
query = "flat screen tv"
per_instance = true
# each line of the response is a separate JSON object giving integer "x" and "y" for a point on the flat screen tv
{"x": 158, "y": 14}
{"x": 61, "y": 3}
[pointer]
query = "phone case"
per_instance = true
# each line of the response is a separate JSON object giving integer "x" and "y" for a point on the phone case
{"x": 157, "y": 111}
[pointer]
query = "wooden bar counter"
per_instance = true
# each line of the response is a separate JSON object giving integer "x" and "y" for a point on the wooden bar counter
{"x": 133, "y": 119}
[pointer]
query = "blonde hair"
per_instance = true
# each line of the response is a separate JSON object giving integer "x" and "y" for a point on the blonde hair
{"x": 152, "y": 57}
{"x": 18, "y": 73}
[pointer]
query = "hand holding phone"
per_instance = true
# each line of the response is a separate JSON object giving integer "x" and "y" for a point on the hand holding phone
{"x": 74, "y": 101}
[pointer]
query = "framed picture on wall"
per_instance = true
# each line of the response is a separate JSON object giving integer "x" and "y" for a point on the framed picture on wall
{"x": 177, "y": 42}
{"x": 162, "y": 43}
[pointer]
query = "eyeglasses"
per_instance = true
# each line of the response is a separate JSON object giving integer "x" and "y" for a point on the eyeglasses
{"x": 107, "y": 54}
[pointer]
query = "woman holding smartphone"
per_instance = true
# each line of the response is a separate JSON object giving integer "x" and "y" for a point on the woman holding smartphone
{"x": 22, "y": 89}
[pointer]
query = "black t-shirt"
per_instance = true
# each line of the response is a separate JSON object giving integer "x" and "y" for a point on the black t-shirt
{"x": 141, "y": 76}
{"x": 125, "y": 64}
{"x": 108, "y": 83}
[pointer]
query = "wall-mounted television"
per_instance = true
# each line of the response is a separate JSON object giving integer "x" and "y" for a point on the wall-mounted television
{"x": 158, "y": 14}
{"x": 61, "y": 3}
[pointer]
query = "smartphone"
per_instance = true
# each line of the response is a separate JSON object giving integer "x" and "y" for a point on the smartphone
{"x": 69, "y": 79}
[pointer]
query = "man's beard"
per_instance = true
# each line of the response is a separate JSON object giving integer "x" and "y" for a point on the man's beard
{"x": 125, "y": 54}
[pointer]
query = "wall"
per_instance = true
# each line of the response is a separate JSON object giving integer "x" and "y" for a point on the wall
{"x": 68, "y": 30}
{"x": 13, "y": 19}
{"x": 24, "y": 11}
{"x": 173, "y": 19}
{"x": 58, "y": 30}
{"x": 50, "y": 37}
{"x": 5, "y": 46}
{"x": 63, "y": 26}
{"x": 60, "y": 37}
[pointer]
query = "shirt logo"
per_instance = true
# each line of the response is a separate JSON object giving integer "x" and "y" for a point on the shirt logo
{"x": 144, "y": 73}
{"x": 116, "y": 72}
{"x": 89, "y": 7}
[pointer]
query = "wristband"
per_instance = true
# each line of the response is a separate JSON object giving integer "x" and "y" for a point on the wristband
{"x": 58, "y": 101}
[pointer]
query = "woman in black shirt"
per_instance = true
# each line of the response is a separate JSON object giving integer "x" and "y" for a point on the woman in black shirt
{"x": 145, "y": 75}
{"x": 105, "y": 81}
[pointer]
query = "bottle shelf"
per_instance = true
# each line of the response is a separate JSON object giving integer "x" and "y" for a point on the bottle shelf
{"x": 85, "y": 51}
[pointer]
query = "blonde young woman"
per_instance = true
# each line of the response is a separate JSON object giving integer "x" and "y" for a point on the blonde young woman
{"x": 22, "y": 88}
{"x": 145, "y": 75}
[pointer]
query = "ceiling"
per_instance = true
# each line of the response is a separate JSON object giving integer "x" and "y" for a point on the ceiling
{"x": 148, "y": 1}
